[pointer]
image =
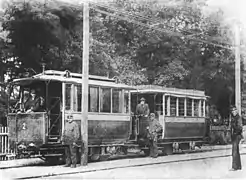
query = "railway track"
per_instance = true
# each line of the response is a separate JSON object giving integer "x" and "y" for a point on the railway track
{"x": 123, "y": 163}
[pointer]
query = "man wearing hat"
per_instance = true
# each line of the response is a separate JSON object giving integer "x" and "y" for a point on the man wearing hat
{"x": 72, "y": 139}
{"x": 152, "y": 131}
{"x": 142, "y": 108}
{"x": 33, "y": 102}
{"x": 236, "y": 136}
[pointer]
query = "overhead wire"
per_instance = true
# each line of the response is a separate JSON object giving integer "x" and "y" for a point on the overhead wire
{"x": 160, "y": 29}
{"x": 172, "y": 33}
{"x": 157, "y": 20}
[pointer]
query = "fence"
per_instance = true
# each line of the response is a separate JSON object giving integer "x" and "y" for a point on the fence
{"x": 4, "y": 143}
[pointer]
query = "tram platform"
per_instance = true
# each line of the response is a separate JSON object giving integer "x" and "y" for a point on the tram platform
{"x": 36, "y": 171}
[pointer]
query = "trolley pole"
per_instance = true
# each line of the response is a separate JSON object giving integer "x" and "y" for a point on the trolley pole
{"x": 237, "y": 69}
{"x": 85, "y": 79}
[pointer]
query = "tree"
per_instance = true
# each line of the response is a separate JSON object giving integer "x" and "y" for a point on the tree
{"x": 120, "y": 47}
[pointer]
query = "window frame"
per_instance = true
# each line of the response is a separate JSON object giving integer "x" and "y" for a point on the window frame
{"x": 201, "y": 104}
{"x": 121, "y": 99}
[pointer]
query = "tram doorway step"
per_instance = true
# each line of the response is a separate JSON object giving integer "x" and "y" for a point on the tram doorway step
{"x": 53, "y": 139}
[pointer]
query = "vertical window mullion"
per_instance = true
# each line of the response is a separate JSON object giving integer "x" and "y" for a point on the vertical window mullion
{"x": 200, "y": 108}
{"x": 163, "y": 105}
{"x": 111, "y": 99}
{"x": 168, "y": 105}
{"x": 99, "y": 101}
{"x": 122, "y": 100}
{"x": 177, "y": 106}
{"x": 185, "y": 106}
{"x": 129, "y": 102}
{"x": 204, "y": 108}
{"x": 72, "y": 97}
{"x": 192, "y": 107}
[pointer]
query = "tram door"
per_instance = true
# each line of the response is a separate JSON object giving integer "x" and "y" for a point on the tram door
{"x": 55, "y": 115}
{"x": 139, "y": 125}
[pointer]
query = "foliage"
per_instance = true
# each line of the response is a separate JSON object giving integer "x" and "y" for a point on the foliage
{"x": 121, "y": 48}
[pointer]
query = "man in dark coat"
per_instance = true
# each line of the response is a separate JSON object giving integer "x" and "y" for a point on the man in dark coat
{"x": 33, "y": 102}
{"x": 153, "y": 129}
{"x": 71, "y": 138}
{"x": 236, "y": 136}
{"x": 142, "y": 108}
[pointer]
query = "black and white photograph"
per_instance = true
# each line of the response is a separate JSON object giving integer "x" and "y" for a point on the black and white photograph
{"x": 122, "y": 89}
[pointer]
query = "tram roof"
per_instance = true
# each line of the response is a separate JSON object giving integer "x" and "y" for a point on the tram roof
{"x": 51, "y": 75}
{"x": 169, "y": 91}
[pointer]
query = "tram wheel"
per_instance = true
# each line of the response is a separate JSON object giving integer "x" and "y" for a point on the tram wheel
{"x": 146, "y": 152}
{"x": 124, "y": 150}
{"x": 168, "y": 149}
{"x": 54, "y": 160}
{"x": 95, "y": 157}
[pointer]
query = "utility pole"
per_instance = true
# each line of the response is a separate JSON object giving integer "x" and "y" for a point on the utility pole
{"x": 85, "y": 83}
{"x": 237, "y": 69}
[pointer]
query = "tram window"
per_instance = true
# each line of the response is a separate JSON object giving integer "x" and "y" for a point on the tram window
{"x": 202, "y": 108}
{"x": 196, "y": 107}
{"x": 94, "y": 99}
{"x": 159, "y": 105}
{"x": 117, "y": 104}
{"x": 166, "y": 105}
{"x": 105, "y": 100}
{"x": 189, "y": 107}
{"x": 15, "y": 92}
{"x": 68, "y": 96}
{"x": 181, "y": 106}
{"x": 173, "y": 106}
{"x": 77, "y": 98}
{"x": 126, "y": 101}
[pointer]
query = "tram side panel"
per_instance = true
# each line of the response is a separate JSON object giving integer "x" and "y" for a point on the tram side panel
{"x": 27, "y": 131}
{"x": 105, "y": 129}
{"x": 184, "y": 128}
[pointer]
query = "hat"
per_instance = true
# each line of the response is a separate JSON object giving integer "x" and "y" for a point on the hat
{"x": 142, "y": 99}
{"x": 33, "y": 91}
{"x": 233, "y": 108}
{"x": 152, "y": 114}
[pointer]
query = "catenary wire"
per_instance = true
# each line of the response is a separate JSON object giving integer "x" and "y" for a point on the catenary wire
{"x": 160, "y": 29}
{"x": 157, "y": 20}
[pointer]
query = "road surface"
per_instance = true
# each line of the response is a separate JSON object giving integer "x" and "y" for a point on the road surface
{"x": 207, "y": 164}
{"x": 202, "y": 169}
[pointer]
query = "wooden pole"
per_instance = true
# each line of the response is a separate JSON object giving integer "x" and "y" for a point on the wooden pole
{"x": 85, "y": 79}
{"x": 237, "y": 70}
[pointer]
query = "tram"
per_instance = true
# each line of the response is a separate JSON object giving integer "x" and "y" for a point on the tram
{"x": 181, "y": 112}
{"x": 40, "y": 132}
{"x": 112, "y": 124}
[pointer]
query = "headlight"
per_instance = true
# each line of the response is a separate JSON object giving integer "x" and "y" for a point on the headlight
{"x": 21, "y": 147}
{"x": 31, "y": 145}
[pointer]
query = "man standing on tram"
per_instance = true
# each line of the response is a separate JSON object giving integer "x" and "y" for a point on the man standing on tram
{"x": 153, "y": 129}
{"x": 142, "y": 108}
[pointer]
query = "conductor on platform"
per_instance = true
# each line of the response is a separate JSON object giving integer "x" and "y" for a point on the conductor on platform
{"x": 142, "y": 108}
{"x": 153, "y": 129}
{"x": 236, "y": 136}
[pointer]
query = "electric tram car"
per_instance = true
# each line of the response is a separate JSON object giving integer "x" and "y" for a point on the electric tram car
{"x": 181, "y": 112}
{"x": 40, "y": 132}
{"x": 112, "y": 126}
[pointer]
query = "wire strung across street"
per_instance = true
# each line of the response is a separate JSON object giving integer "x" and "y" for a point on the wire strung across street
{"x": 171, "y": 33}
{"x": 158, "y": 21}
